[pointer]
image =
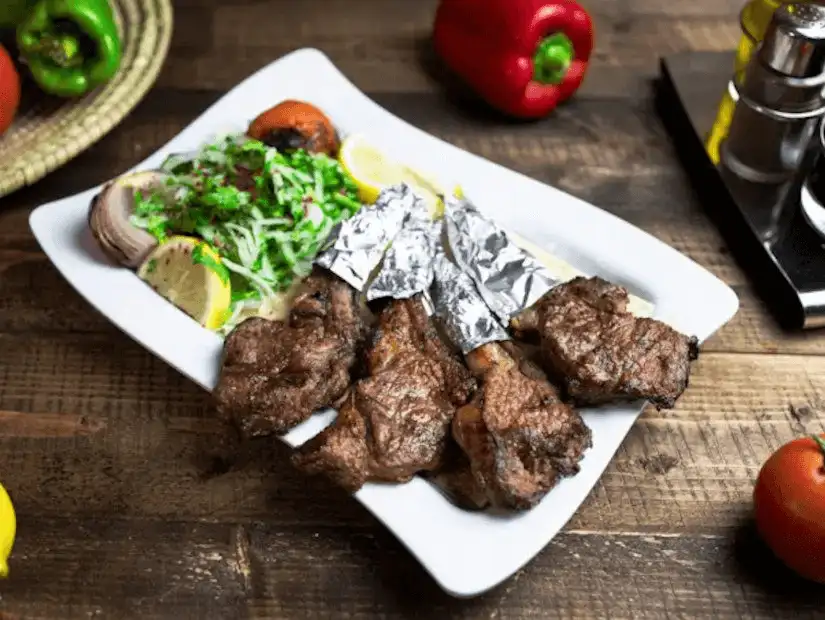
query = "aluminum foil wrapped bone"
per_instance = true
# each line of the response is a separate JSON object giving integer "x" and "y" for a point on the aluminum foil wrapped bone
{"x": 508, "y": 278}
{"x": 407, "y": 268}
{"x": 360, "y": 242}
{"x": 466, "y": 319}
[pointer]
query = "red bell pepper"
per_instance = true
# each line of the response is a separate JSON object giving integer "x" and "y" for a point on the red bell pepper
{"x": 523, "y": 57}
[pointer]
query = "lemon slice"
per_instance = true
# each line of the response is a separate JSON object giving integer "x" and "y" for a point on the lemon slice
{"x": 373, "y": 171}
{"x": 189, "y": 273}
{"x": 8, "y": 526}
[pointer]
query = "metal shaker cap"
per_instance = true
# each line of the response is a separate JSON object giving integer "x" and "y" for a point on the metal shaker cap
{"x": 793, "y": 43}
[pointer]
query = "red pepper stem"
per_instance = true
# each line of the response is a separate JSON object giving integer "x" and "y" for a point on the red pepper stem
{"x": 820, "y": 442}
{"x": 552, "y": 59}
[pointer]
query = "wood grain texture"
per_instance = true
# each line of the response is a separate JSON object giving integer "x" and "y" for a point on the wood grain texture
{"x": 145, "y": 570}
{"x": 379, "y": 43}
{"x": 133, "y": 502}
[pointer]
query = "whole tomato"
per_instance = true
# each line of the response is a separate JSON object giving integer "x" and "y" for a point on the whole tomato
{"x": 9, "y": 90}
{"x": 789, "y": 500}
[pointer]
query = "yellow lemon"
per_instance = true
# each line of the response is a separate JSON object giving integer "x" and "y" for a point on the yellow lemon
{"x": 373, "y": 171}
{"x": 190, "y": 274}
{"x": 8, "y": 527}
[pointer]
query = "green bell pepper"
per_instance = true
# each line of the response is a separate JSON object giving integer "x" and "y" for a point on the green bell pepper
{"x": 12, "y": 12}
{"x": 70, "y": 46}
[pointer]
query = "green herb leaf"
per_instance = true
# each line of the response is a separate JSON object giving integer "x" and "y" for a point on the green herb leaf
{"x": 199, "y": 257}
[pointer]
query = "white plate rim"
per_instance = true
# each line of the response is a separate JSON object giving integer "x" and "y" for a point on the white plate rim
{"x": 466, "y": 553}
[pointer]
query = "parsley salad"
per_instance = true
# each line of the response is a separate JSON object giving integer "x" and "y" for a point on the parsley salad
{"x": 264, "y": 213}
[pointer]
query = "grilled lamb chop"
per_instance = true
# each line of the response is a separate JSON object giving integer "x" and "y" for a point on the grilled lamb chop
{"x": 601, "y": 352}
{"x": 404, "y": 327}
{"x": 519, "y": 436}
{"x": 276, "y": 374}
{"x": 395, "y": 422}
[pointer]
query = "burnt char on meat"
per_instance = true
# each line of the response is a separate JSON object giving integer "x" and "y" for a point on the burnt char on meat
{"x": 456, "y": 480}
{"x": 395, "y": 422}
{"x": 519, "y": 436}
{"x": 276, "y": 374}
{"x": 601, "y": 352}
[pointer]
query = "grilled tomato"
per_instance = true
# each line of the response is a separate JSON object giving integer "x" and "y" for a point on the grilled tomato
{"x": 9, "y": 90}
{"x": 292, "y": 125}
{"x": 789, "y": 500}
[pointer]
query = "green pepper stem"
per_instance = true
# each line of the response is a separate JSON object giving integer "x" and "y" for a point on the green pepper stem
{"x": 63, "y": 50}
{"x": 820, "y": 442}
{"x": 552, "y": 59}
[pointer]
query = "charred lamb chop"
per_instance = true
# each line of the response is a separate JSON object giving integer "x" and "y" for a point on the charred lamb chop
{"x": 276, "y": 374}
{"x": 521, "y": 439}
{"x": 395, "y": 422}
{"x": 518, "y": 436}
{"x": 600, "y": 351}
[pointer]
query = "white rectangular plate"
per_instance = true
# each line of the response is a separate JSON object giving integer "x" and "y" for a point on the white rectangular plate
{"x": 467, "y": 553}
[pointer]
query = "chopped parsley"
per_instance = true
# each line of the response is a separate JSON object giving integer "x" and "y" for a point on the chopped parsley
{"x": 265, "y": 213}
{"x": 199, "y": 257}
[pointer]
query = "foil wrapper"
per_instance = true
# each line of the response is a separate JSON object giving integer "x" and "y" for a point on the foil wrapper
{"x": 468, "y": 321}
{"x": 508, "y": 278}
{"x": 360, "y": 242}
{"x": 407, "y": 268}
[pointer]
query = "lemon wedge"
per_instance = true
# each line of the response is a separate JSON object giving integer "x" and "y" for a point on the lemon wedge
{"x": 189, "y": 273}
{"x": 8, "y": 526}
{"x": 373, "y": 171}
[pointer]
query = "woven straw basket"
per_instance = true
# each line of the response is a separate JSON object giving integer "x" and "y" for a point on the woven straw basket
{"x": 50, "y": 131}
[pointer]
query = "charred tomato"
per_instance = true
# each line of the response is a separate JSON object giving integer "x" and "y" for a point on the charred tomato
{"x": 293, "y": 125}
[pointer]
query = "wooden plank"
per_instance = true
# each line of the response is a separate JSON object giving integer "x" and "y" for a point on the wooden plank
{"x": 380, "y": 11}
{"x": 109, "y": 568}
{"x": 114, "y": 568}
{"x": 723, "y": 9}
{"x": 151, "y": 446}
{"x": 41, "y": 425}
{"x": 578, "y": 576}
{"x": 382, "y": 45}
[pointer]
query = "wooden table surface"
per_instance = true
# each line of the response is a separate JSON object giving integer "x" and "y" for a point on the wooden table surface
{"x": 126, "y": 506}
